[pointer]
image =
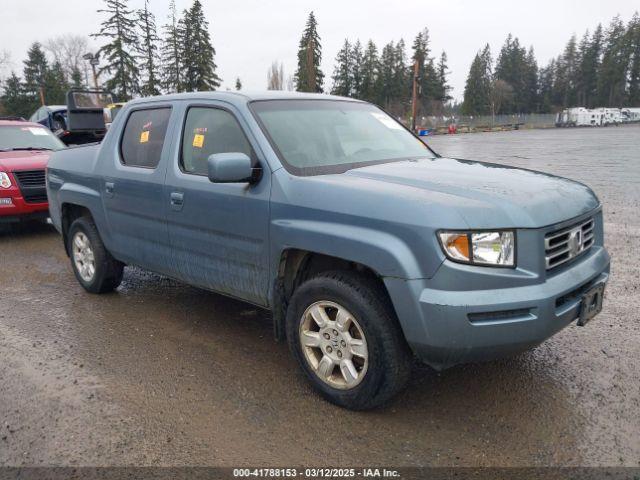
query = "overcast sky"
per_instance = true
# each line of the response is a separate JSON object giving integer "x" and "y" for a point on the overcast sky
{"x": 249, "y": 34}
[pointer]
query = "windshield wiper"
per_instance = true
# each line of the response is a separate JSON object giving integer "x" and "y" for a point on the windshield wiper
{"x": 25, "y": 148}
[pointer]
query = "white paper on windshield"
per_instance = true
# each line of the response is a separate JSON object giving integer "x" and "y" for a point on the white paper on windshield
{"x": 386, "y": 121}
{"x": 38, "y": 131}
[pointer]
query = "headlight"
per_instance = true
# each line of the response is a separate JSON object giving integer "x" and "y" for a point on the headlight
{"x": 5, "y": 181}
{"x": 480, "y": 248}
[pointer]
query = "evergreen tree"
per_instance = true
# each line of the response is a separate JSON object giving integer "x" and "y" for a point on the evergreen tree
{"x": 432, "y": 86}
{"x": 475, "y": 101}
{"x": 343, "y": 73}
{"x": 148, "y": 51}
{"x": 198, "y": 53}
{"x": 565, "y": 91}
{"x": 590, "y": 64}
{"x": 546, "y": 82}
{"x": 55, "y": 86}
{"x": 309, "y": 76}
{"x": 633, "y": 33}
{"x": 431, "y": 78}
{"x": 443, "y": 85}
{"x": 172, "y": 52}
{"x": 477, "y": 90}
{"x": 119, "y": 29}
{"x": 399, "y": 91}
{"x": 238, "y": 84}
{"x": 14, "y": 99}
{"x": 76, "y": 78}
{"x": 357, "y": 60}
{"x": 612, "y": 77}
{"x": 41, "y": 81}
{"x": 582, "y": 79}
{"x": 369, "y": 72}
{"x": 530, "y": 99}
{"x": 386, "y": 76}
{"x": 35, "y": 73}
{"x": 513, "y": 69}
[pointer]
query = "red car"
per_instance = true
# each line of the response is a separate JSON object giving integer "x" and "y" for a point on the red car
{"x": 24, "y": 152}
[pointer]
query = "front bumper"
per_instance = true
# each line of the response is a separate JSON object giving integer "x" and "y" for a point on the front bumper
{"x": 18, "y": 209}
{"x": 445, "y": 327}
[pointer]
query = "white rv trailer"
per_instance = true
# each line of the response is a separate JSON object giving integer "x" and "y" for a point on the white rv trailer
{"x": 630, "y": 115}
{"x": 611, "y": 116}
{"x": 579, "y": 117}
{"x": 593, "y": 118}
{"x": 563, "y": 118}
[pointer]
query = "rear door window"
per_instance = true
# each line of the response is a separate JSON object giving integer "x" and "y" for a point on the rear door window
{"x": 210, "y": 130}
{"x": 143, "y": 137}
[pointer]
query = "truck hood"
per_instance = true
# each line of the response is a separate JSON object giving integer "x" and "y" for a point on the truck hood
{"x": 24, "y": 160}
{"x": 489, "y": 195}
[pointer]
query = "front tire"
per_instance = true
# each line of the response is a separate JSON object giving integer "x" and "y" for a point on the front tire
{"x": 94, "y": 267}
{"x": 344, "y": 333}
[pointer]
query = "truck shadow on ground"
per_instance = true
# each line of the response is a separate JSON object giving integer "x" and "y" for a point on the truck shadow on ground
{"x": 167, "y": 345}
{"x": 23, "y": 230}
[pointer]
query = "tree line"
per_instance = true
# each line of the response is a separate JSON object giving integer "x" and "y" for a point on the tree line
{"x": 137, "y": 58}
{"x": 600, "y": 70}
{"x": 133, "y": 60}
{"x": 22, "y": 96}
{"x": 383, "y": 77}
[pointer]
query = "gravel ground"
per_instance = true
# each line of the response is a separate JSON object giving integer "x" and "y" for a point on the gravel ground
{"x": 160, "y": 373}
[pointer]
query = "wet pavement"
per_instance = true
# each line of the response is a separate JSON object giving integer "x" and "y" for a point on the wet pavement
{"x": 160, "y": 373}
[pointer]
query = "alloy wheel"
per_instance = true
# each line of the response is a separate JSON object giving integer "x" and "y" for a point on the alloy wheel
{"x": 83, "y": 257}
{"x": 334, "y": 344}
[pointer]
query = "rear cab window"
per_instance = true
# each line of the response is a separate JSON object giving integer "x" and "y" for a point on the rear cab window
{"x": 210, "y": 130}
{"x": 143, "y": 137}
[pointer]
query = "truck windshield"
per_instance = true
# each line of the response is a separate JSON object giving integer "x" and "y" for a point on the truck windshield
{"x": 28, "y": 137}
{"x": 314, "y": 137}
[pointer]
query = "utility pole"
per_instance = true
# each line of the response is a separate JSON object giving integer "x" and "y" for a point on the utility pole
{"x": 414, "y": 99}
{"x": 93, "y": 61}
{"x": 41, "y": 90}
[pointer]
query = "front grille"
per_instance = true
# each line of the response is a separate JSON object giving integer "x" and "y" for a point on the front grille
{"x": 568, "y": 243}
{"x": 30, "y": 178}
{"x": 42, "y": 198}
{"x": 32, "y": 184}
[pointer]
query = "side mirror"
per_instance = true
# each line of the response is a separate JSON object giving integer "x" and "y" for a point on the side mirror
{"x": 232, "y": 167}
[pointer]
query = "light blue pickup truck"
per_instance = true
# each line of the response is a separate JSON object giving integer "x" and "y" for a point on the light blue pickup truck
{"x": 368, "y": 248}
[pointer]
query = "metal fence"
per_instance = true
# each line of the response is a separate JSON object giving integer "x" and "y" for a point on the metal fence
{"x": 534, "y": 120}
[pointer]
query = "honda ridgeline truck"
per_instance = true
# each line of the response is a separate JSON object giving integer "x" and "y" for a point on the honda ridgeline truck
{"x": 368, "y": 247}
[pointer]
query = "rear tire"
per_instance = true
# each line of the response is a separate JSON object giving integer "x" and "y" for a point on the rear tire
{"x": 355, "y": 356}
{"x": 94, "y": 267}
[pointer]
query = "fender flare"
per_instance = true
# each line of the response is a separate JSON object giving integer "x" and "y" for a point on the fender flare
{"x": 88, "y": 198}
{"x": 385, "y": 254}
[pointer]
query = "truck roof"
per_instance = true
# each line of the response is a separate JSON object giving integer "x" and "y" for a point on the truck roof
{"x": 242, "y": 96}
